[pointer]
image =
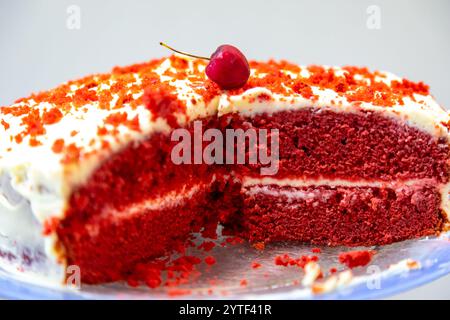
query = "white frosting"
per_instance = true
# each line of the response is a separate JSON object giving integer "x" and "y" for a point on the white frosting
{"x": 427, "y": 116}
{"x": 312, "y": 272}
{"x": 21, "y": 238}
{"x": 405, "y": 264}
{"x": 332, "y": 282}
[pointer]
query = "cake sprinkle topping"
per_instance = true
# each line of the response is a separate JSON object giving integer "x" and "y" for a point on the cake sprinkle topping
{"x": 183, "y": 89}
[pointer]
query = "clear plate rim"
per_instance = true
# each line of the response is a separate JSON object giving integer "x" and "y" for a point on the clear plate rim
{"x": 394, "y": 283}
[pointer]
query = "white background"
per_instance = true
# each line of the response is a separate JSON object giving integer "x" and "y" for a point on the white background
{"x": 38, "y": 51}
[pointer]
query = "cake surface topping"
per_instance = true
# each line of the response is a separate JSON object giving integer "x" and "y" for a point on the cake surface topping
{"x": 121, "y": 92}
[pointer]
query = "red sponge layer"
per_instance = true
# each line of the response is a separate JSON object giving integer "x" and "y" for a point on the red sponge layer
{"x": 352, "y": 146}
{"x": 338, "y": 216}
{"x": 107, "y": 248}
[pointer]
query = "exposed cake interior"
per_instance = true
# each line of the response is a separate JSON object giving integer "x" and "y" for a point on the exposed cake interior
{"x": 343, "y": 179}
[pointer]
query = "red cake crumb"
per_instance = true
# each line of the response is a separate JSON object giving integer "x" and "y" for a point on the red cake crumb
{"x": 412, "y": 264}
{"x": 282, "y": 260}
{"x": 34, "y": 142}
{"x": 149, "y": 273}
{"x": 243, "y": 282}
{"x": 163, "y": 103}
{"x": 316, "y": 250}
{"x": 5, "y": 124}
{"x": 210, "y": 260}
{"x": 52, "y": 116}
{"x": 178, "y": 272}
{"x": 353, "y": 259}
{"x": 207, "y": 245}
{"x": 234, "y": 240}
{"x": 58, "y": 146}
{"x": 259, "y": 245}
{"x": 72, "y": 153}
{"x": 153, "y": 280}
{"x": 50, "y": 225}
{"x": 178, "y": 292}
{"x": 333, "y": 270}
{"x": 285, "y": 260}
{"x": 256, "y": 265}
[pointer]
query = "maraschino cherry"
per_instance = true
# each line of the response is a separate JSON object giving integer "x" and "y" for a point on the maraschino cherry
{"x": 227, "y": 66}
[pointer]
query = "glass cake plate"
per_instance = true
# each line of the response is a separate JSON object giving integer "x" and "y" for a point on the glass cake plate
{"x": 387, "y": 274}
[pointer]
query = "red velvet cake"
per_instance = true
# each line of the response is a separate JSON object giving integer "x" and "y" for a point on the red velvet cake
{"x": 363, "y": 159}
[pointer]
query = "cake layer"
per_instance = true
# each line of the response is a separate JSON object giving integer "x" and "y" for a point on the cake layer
{"x": 365, "y": 145}
{"x": 107, "y": 247}
{"x": 338, "y": 215}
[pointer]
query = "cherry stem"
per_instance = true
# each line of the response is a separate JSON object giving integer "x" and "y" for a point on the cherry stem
{"x": 183, "y": 53}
